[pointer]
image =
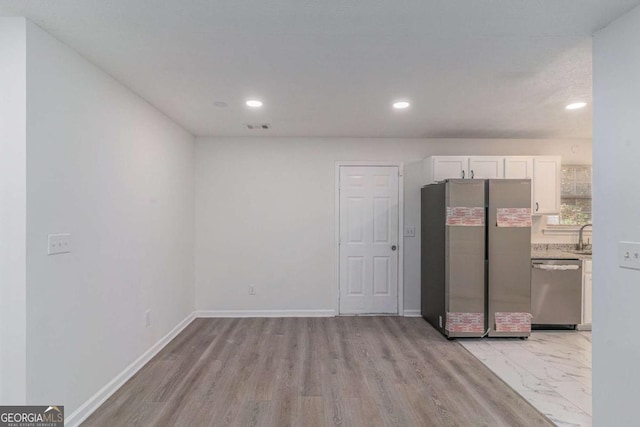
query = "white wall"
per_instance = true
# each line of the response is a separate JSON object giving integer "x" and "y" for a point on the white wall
{"x": 265, "y": 213}
{"x": 117, "y": 174}
{"x": 13, "y": 206}
{"x": 616, "y": 291}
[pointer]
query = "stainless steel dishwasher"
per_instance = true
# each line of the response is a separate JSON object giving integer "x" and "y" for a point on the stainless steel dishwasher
{"x": 556, "y": 291}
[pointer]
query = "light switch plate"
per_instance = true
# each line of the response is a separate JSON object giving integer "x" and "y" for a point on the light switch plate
{"x": 59, "y": 244}
{"x": 629, "y": 255}
{"x": 409, "y": 232}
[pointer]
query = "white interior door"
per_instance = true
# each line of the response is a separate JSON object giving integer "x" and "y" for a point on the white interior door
{"x": 369, "y": 243}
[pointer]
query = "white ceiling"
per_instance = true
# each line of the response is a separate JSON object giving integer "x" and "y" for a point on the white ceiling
{"x": 471, "y": 68}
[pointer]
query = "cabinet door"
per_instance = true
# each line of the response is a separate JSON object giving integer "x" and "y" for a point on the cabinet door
{"x": 546, "y": 185}
{"x": 486, "y": 167}
{"x": 449, "y": 167}
{"x": 587, "y": 316}
{"x": 518, "y": 167}
{"x": 587, "y": 290}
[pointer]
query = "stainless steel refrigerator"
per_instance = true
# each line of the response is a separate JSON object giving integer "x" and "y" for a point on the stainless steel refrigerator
{"x": 476, "y": 257}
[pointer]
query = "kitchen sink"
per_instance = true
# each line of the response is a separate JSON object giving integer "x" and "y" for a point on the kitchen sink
{"x": 587, "y": 252}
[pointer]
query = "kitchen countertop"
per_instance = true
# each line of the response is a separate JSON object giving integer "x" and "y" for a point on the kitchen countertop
{"x": 556, "y": 251}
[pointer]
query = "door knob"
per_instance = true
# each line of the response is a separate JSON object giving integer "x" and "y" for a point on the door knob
{"x": 393, "y": 247}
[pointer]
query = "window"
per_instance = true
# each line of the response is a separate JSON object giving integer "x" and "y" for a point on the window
{"x": 575, "y": 208}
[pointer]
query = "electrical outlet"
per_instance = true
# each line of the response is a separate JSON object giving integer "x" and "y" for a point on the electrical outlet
{"x": 440, "y": 321}
{"x": 147, "y": 318}
{"x": 409, "y": 232}
{"x": 629, "y": 255}
{"x": 59, "y": 244}
{"x": 252, "y": 289}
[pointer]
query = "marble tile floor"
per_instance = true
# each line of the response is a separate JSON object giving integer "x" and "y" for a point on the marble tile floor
{"x": 552, "y": 370}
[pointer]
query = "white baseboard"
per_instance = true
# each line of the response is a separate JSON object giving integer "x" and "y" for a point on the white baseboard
{"x": 412, "y": 313}
{"x": 265, "y": 313}
{"x": 584, "y": 327}
{"x": 94, "y": 402}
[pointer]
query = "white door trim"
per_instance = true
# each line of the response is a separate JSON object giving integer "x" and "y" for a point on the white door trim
{"x": 400, "y": 166}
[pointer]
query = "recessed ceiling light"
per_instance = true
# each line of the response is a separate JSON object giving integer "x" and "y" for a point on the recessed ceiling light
{"x": 401, "y": 105}
{"x": 576, "y": 105}
{"x": 254, "y": 103}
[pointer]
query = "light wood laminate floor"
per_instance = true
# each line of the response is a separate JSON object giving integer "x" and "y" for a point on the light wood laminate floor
{"x": 343, "y": 371}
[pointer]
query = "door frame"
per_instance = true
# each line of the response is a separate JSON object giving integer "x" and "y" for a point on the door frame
{"x": 400, "y": 166}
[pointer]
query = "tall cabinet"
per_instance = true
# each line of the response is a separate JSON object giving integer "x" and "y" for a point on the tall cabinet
{"x": 546, "y": 185}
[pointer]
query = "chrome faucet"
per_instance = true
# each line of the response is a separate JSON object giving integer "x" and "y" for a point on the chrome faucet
{"x": 580, "y": 245}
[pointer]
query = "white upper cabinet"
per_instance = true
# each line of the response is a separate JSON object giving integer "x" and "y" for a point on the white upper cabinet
{"x": 543, "y": 171}
{"x": 546, "y": 185}
{"x": 518, "y": 167}
{"x": 439, "y": 168}
{"x": 486, "y": 167}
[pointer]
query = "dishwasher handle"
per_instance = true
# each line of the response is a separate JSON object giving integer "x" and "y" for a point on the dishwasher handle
{"x": 556, "y": 267}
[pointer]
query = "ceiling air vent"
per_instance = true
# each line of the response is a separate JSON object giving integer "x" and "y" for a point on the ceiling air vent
{"x": 258, "y": 126}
